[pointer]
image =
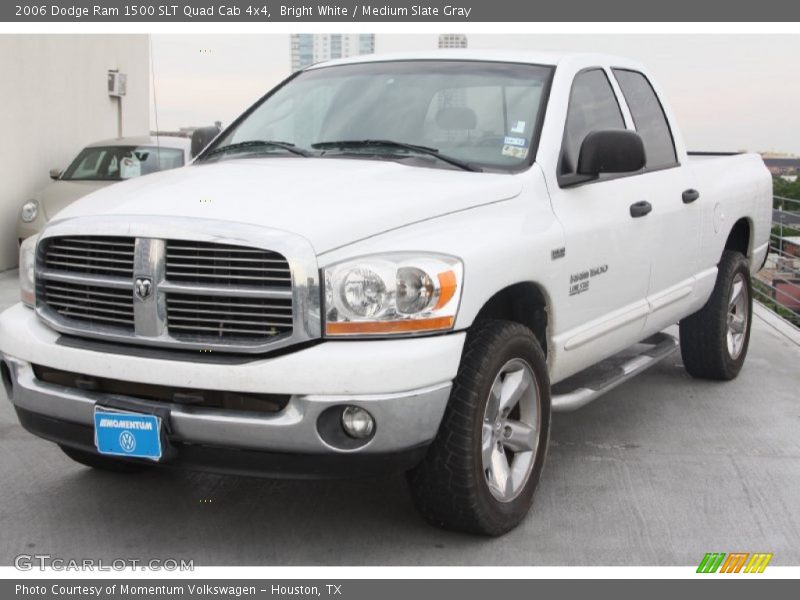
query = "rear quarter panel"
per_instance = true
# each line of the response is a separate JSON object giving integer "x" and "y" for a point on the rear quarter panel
{"x": 733, "y": 188}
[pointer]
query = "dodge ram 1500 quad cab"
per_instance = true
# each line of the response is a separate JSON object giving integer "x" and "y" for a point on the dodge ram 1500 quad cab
{"x": 391, "y": 262}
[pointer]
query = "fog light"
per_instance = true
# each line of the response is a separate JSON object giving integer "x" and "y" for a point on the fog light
{"x": 357, "y": 422}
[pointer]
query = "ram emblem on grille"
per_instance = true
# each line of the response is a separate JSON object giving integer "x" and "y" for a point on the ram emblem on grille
{"x": 143, "y": 286}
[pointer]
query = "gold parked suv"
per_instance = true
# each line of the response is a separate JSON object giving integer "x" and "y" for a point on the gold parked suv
{"x": 99, "y": 165}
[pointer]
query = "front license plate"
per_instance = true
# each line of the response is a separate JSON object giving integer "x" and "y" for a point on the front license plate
{"x": 127, "y": 434}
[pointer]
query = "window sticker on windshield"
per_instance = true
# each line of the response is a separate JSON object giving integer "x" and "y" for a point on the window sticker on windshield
{"x": 519, "y": 127}
{"x": 515, "y": 151}
{"x": 515, "y": 141}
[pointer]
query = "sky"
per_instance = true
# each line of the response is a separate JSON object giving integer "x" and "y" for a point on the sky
{"x": 729, "y": 92}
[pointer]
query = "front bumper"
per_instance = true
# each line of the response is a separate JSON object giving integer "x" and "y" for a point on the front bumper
{"x": 330, "y": 368}
{"x": 403, "y": 420}
{"x": 404, "y": 384}
{"x": 236, "y": 461}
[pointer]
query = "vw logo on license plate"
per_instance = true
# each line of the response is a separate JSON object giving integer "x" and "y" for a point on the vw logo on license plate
{"x": 127, "y": 441}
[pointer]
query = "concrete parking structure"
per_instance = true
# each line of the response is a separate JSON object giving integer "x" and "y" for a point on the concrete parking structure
{"x": 660, "y": 471}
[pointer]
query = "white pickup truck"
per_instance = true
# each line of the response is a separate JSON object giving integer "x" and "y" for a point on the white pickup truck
{"x": 391, "y": 262}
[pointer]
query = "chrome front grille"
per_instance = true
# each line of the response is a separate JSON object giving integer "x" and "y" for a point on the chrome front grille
{"x": 174, "y": 292}
{"x": 227, "y": 317}
{"x": 90, "y": 303}
{"x": 111, "y": 256}
{"x": 206, "y": 263}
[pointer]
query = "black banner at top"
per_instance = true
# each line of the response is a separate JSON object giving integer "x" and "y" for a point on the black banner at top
{"x": 255, "y": 11}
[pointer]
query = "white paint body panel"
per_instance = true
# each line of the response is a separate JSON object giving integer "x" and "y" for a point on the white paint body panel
{"x": 331, "y": 202}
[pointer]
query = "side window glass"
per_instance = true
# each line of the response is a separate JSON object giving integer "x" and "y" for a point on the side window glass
{"x": 648, "y": 117}
{"x": 592, "y": 106}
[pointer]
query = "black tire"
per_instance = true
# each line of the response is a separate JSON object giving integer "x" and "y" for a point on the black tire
{"x": 704, "y": 335}
{"x": 450, "y": 486}
{"x": 103, "y": 463}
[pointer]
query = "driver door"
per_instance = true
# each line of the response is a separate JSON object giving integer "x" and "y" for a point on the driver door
{"x": 606, "y": 260}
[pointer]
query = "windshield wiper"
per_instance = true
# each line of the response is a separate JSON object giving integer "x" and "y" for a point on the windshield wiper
{"x": 288, "y": 146}
{"x": 345, "y": 144}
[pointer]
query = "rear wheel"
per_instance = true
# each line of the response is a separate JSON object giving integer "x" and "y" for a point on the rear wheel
{"x": 714, "y": 340}
{"x": 104, "y": 463}
{"x": 481, "y": 472}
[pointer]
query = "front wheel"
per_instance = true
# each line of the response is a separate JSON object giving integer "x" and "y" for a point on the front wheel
{"x": 481, "y": 472}
{"x": 715, "y": 339}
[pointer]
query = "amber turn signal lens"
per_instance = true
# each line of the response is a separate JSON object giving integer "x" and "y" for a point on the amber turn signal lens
{"x": 378, "y": 327}
{"x": 447, "y": 288}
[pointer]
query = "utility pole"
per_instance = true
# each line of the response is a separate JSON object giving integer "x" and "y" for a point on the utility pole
{"x": 119, "y": 116}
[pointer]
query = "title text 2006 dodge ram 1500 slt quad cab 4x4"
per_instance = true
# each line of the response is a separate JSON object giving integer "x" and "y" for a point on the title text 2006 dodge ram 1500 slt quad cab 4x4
{"x": 391, "y": 262}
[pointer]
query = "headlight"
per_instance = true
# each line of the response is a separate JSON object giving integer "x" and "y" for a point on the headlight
{"x": 396, "y": 293}
{"x": 27, "y": 260}
{"x": 29, "y": 211}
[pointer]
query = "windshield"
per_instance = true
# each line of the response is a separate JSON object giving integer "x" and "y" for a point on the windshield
{"x": 482, "y": 114}
{"x": 114, "y": 163}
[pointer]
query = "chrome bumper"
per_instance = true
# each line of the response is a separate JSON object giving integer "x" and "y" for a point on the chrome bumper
{"x": 403, "y": 420}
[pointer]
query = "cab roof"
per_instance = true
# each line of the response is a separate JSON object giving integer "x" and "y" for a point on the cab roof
{"x": 576, "y": 59}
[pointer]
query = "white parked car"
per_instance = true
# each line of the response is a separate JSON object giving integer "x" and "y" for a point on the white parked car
{"x": 99, "y": 165}
{"x": 391, "y": 262}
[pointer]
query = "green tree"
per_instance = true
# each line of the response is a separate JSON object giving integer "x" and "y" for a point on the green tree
{"x": 787, "y": 189}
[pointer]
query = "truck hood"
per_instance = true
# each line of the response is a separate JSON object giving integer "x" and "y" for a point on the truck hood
{"x": 330, "y": 201}
{"x": 62, "y": 193}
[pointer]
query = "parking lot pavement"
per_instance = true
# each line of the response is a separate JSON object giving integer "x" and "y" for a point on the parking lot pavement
{"x": 660, "y": 471}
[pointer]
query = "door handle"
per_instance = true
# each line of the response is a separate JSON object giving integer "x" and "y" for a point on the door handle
{"x": 640, "y": 209}
{"x": 690, "y": 196}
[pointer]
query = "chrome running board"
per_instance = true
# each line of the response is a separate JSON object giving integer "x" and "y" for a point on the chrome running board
{"x": 580, "y": 389}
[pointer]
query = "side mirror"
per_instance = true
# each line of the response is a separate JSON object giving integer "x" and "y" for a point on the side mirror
{"x": 611, "y": 151}
{"x": 55, "y": 173}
